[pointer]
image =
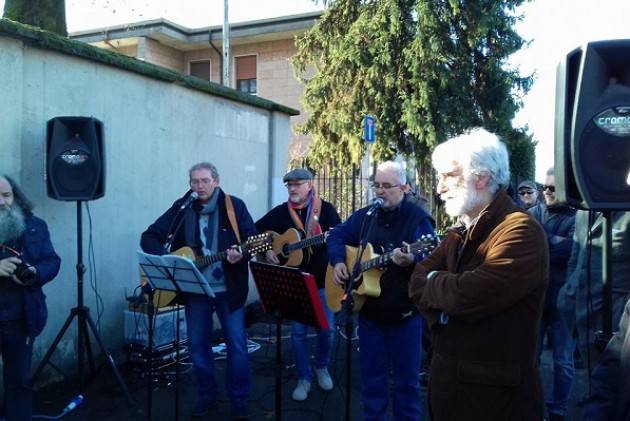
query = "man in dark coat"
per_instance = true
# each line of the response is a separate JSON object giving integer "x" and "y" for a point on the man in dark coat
{"x": 314, "y": 217}
{"x": 482, "y": 290}
{"x": 27, "y": 262}
{"x": 558, "y": 221}
{"x": 390, "y": 329}
{"x": 206, "y": 228}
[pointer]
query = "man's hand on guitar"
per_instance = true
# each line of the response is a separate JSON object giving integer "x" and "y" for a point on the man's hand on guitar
{"x": 400, "y": 258}
{"x": 340, "y": 273}
{"x": 234, "y": 255}
{"x": 271, "y": 257}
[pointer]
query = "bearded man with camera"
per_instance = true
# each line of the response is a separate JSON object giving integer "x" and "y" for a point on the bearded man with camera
{"x": 27, "y": 261}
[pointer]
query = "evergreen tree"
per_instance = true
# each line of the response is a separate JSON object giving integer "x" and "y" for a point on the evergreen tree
{"x": 427, "y": 69}
{"x": 45, "y": 14}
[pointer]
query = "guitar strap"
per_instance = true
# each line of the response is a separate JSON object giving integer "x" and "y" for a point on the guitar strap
{"x": 232, "y": 216}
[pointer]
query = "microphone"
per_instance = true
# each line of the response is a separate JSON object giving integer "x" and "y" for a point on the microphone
{"x": 376, "y": 204}
{"x": 191, "y": 198}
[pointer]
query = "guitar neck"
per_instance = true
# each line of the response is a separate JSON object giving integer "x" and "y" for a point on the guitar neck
{"x": 381, "y": 260}
{"x": 385, "y": 258}
{"x": 203, "y": 261}
{"x": 308, "y": 242}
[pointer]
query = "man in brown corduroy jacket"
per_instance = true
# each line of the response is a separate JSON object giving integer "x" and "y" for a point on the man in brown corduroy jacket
{"x": 482, "y": 290}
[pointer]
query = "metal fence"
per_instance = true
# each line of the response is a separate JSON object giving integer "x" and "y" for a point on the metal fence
{"x": 346, "y": 189}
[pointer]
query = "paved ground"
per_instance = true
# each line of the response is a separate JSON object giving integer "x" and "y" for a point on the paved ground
{"x": 104, "y": 402}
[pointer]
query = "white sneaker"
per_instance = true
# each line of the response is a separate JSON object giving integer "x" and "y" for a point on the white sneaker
{"x": 323, "y": 378}
{"x": 301, "y": 390}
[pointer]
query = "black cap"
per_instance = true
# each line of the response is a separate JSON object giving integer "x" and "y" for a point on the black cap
{"x": 527, "y": 184}
{"x": 298, "y": 174}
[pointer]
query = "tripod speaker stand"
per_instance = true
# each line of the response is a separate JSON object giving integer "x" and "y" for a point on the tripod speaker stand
{"x": 84, "y": 324}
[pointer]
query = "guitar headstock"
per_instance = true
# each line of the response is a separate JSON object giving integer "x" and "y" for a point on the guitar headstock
{"x": 425, "y": 244}
{"x": 258, "y": 243}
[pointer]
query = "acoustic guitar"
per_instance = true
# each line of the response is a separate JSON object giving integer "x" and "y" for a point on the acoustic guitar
{"x": 372, "y": 266}
{"x": 289, "y": 246}
{"x": 259, "y": 243}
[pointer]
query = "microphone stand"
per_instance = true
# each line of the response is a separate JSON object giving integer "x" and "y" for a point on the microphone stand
{"x": 151, "y": 314}
{"x": 347, "y": 310}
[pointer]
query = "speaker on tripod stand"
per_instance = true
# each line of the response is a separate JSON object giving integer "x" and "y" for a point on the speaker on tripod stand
{"x": 592, "y": 141}
{"x": 75, "y": 164}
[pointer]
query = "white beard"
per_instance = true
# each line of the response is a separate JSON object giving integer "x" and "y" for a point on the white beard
{"x": 462, "y": 200}
{"x": 12, "y": 223}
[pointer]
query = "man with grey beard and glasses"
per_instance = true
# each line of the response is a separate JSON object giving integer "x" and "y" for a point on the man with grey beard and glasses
{"x": 482, "y": 290}
{"x": 27, "y": 262}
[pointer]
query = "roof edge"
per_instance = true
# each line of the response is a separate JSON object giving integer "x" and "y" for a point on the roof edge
{"x": 47, "y": 40}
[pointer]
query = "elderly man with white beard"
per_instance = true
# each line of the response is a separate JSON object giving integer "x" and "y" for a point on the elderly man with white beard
{"x": 482, "y": 290}
{"x": 27, "y": 261}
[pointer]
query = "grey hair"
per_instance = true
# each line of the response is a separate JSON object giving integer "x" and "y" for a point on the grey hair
{"x": 477, "y": 151}
{"x": 394, "y": 168}
{"x": 205, "y": 166}
{"x": 20, "y": 198}
{"x": 550, "y": 171}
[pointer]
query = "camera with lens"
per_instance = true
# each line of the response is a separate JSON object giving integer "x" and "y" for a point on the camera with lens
{"x": 25, "y": 274}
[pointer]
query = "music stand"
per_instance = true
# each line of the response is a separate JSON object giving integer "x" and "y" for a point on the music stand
{"x": 175, "y": 274}
{"x": 286, "y": 292}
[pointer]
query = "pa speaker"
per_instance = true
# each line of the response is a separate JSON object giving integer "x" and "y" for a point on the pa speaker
{"x": 592, "y": 130}
{"x": 75, "y": 158}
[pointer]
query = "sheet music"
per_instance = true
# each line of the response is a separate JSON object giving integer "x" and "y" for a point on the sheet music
{"x": 162, "y": 271}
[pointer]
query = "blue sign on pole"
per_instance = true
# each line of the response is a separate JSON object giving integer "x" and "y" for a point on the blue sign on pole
{"x": 369, "y": 128}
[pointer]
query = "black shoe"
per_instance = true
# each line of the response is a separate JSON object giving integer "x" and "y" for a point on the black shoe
{"x": 240, "y": 413}
{"x": 555, "y": 417}
{"x": 202, "y": 407}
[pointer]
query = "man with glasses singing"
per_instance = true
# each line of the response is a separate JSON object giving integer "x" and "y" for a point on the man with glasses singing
{"x": 390, "y": 329}
{"x": 528, "y": 194}
{"x": 309, "y": 214}
{"x": 558, "y": 221}
{"x": 204, "y": 225}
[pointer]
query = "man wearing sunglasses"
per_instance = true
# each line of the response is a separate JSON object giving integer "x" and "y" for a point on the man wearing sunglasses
{"x": 527, "y": 194}
{"x": 558, "y": 221}
{"x": 27, "y": 261}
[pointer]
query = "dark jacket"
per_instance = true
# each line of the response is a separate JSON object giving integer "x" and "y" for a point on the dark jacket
{"x": 279, "y": 220}
{"x": 385, "y": 231}
{"x": 37, "y": 250}
{"x": 187, "y": 234}
{"x": 609, "y": 399}
{"x": 490, "y": 281}
{"x": 559, "y": 224}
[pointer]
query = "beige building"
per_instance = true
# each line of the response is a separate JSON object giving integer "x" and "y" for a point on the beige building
{"x": 260, "y": 53}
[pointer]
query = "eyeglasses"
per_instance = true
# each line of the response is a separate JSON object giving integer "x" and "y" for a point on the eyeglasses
{"x": 200, "y": 181}
{"x": 384, "y": 186}
{"x": 294, "y": 185}
{"x": 526, "y": 193}
{"x": 552, "y": 189}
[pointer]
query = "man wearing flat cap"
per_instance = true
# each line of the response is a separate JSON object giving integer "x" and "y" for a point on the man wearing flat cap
{"x": 312, "y": 217}
{"x": 527, "y": 194}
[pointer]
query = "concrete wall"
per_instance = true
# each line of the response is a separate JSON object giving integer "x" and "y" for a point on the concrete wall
{"x": 275, "y": 78}
{"x": 154, "y": 131}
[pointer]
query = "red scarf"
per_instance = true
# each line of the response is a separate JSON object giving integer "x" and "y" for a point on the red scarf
{"x": 314, "y": 207}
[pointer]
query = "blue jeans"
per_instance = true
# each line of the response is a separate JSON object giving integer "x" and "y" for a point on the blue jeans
{"x": 562, "y": 344}
{"x": 16, "y": 349}
{"x": 395, "y": 348}
{"x": 325, "y": 339}
{"x": 199, "y": 311}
